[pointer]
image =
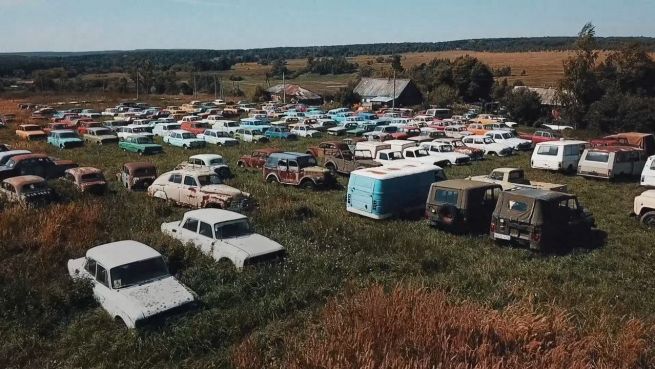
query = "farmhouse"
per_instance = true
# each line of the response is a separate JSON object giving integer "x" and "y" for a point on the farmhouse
{"x": 380, "y": 91}
{"x": 294, "y": 93}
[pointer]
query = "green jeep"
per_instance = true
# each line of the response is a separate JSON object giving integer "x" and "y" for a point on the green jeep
{"x": 460, "y": 205}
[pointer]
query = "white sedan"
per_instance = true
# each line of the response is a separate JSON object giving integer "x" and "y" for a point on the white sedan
{"x": 131, "y": 282}
{"x": 218, "y": 137}
{"x": 305, "y": 131}
{"x": 224, "y": 235}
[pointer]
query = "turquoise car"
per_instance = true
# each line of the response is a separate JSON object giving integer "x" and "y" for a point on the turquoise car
{"x": 252, "y": 123}
{"x": 361, "y": 129}
{"x": 282, "y": 133}
{"x": 142, "y": 145}
{"x": 183, "y": 139}
{"x": 65, "y": 139}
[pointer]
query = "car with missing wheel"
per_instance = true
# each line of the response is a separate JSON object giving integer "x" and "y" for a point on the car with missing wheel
{"x": 460, "y": 205}
{"x": 297, "y": 169}
{"x": 226, "y": 236}
{"x": 199, "y": 188}
{"x": 132, "y": 283}
{"x": 137, "y": 175}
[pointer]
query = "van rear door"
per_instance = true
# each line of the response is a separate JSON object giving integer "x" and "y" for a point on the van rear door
{"x": 360, "y": 193}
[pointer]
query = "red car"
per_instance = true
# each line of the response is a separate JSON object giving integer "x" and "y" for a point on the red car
{"x": 256, "y": 159}
{"x": 197, "y": 128}
{"x": 55, "y": 126}
{"x": 540, "y": 136}
{"x": 83, "y": 127}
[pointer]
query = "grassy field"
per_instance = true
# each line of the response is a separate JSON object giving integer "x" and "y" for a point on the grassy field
{"x": 48, "y": 321}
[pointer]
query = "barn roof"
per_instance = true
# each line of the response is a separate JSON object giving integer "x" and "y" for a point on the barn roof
{"x": 381, "y": 87}
{"x": 294, "y": 91}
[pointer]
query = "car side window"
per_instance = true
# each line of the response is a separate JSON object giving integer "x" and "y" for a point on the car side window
{"x": 446, "y": 197}
{"x": 293, "y": 165}
{"x": 205, "y": 230}
{"x": 497, "y": 176}
{"x": 191, "y": 225}
{"x": 409, "y": 154}
{"x": 90, "y": 266}
{"x": 175, "y": 178}
{"x": 652, "y": 165}
{"x": 491, "y": 194}
{"x": 190, "y": 181}
{"x": 101, "y": 275}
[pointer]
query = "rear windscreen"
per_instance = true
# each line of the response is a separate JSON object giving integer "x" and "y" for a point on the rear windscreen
{"x": 548, "y": 150}
{"x": 600, "y": 157}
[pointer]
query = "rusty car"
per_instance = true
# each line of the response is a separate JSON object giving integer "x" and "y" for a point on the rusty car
{"x": 137, "y": 175}
{"x": 86, "y": 179}
{"x": 26, "y": 190}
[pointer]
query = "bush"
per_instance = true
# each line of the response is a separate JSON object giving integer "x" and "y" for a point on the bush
{"x": 523, "y": 105}
{"x": 415, "y": 328}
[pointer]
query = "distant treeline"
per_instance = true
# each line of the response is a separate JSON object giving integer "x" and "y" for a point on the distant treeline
{"x": 23, "y": 64}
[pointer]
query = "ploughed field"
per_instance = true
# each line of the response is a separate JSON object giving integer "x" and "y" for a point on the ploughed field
{"x": 47, "y": 320}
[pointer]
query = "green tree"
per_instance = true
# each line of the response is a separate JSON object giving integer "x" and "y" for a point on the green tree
{"x": 396, "y": 63}
{"x": 346, "y": 96}
{"x": 523, "y": 105}
{"x": 443, "y": 95}
{"x": 260, "y": 94}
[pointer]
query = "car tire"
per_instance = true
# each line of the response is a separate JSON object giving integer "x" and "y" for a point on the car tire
{"x": 185, "y": 147}
{"x": 140, "y": 153}
{"x": 272, "y": 179}
{"x": 648, "y": 219}
{"x": 331, "y": 168}
{"x": 308, "y": 184}
{"x": 241, "y": 164}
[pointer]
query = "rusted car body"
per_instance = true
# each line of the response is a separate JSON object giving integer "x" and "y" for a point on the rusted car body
{"x": 35, "y": 164}
{"x": 137, "y": 175}
{"x": 297, "y": 169}
{"x": 87, "y": 179}
{"x": 30, "y": 132}
{"x": 26, "y": 190}
{"x": 256, "y": 159}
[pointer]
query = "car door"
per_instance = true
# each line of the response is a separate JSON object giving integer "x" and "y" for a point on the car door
{"x": 174, "y": 187}
{"x": 283, "y": 171}
{"x": 101, "y": 288}
{"x": 188, "y": 232}
{"x": 205, "y": 238}
{"x": 648, "y": 176}
{"x": 190, "y": 191}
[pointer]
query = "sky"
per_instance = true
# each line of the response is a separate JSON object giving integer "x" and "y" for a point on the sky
{"x": 90, "y": 25}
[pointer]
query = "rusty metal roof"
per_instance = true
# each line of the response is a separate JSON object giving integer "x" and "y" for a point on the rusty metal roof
{"x": 20, "y": 181}
{"x": 381, "y": 87}
{"x": 294, "y": 91}
{"x": 139, "y": 165}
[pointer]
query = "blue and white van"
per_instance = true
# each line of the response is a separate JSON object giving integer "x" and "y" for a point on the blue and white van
{"x": 384, "y": 192}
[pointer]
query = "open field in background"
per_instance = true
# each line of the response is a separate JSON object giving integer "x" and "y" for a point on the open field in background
{"x": 46, "y": 320}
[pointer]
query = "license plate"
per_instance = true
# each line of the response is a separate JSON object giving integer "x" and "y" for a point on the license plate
{"x": 502, "y": 236}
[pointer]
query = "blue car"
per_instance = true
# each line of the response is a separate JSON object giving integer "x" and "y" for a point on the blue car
{"x": 281, "y": 133}
{"x": 394, "y": 190}
{"x": 256, "y": 124}
{"x": 183, "y": 139}
{"x": 65, "y": 139}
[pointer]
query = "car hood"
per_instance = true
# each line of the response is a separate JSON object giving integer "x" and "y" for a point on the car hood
{"x": 65, "y": 140}
{"x": 223, "y": 190}
{"x": 254, "y": 244}
{"x": 150, "y": 146}
{"x": 106, "y": 137}
{"x": 315, "y": 170}
{"x": 156, "y": 297}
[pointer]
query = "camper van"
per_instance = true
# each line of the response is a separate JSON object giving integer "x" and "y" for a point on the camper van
{"x": 648, "y": 174}
{"x": 384, "y": 192}
{"x": 561, "y": 155}
{"x": 611, "y": 162}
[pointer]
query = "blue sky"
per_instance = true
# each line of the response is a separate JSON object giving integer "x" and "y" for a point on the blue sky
{"x": 79, "y": 25}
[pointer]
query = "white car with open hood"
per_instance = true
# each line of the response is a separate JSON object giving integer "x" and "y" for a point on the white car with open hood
{"x": 225, "y": 236}
{"x": 131, "y": 282}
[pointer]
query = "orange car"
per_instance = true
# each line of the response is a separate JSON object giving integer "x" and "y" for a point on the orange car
{"x": 30, "y": 132}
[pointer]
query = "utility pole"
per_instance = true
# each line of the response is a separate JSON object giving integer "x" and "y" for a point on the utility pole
{"x": 195, "y": 92}
{"x": 284, "y": 89}
{"x": 137, "y": 83}
{"x": 215, "y": 88}
{"x": 393, "y": 104}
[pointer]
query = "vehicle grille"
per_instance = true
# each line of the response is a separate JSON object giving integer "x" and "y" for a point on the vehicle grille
{"x": 160, "y": 318}
{"x": 273, "y": 257}
{"x": 462, "y": 160}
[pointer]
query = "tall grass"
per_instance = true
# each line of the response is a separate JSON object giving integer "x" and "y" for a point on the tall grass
{"x": 416, "y": 328}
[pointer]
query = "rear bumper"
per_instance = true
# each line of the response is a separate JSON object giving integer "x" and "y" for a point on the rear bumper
{"x": 367, "y": 214}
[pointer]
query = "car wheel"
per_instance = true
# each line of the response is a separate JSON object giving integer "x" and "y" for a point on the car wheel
{"x": 241, "y": 164}
{"x": 331, "y": 168}
{"x": 272, "y": 179}
{"x": 185, "y": 147}
{"x": 308, "y": 184}
{"x": 61, "y": 146}
{"x": 648, "y": 219}
{"x": 140, "y": 153}
{"x": 120, "y": 323}
{"x": 492, "y": 153}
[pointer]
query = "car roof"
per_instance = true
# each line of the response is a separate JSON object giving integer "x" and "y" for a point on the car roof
{"x": 23, "y": 180}
{"x": 289, "y": 155}
{"x": 180, "y": 131}
{"x": 28, "y": 156}
{"x": 206, "y": 156}
{"x": 506, "y": 169}
{"x": 610, "y": 149}
{"x": 4, "y": 154}
{"x": 120, "y": 253}
{"x": 539, "y": 194}
{"x": 465, "y": 184}
{"x": 63, "y": 131}
{"x": 138, "y": 165}
{"x": 562, "y": 142}
{"x": 499, "y": 131}
{"x": 213, "y": 215}
{"x": 394, "y": 171}
{"x": 83, "y": 170}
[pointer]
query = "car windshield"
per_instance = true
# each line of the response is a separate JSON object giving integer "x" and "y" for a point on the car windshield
{"x": 139, "y": 272}
{"x": 144, "y": 172}
{"x": 446, "y": 148}
{"x": 30, "y": 128}
{"x": 67, "y": 135}
{"x": 231, "y": 230}
{"x": 187, "y": 136}
{"x": 421, "y": 153}
{"x": 138, "y": 129}
{"x": 217, "y": 161}
{"x": 34, "y": 187}
{"x": 210, "y": 179}
{"x": 92, "y": 177}
{"x": 143, "y": 140}
{"x": 306, "y": 161}
{"x": 395, "y": 155}
{"x": 507, "y": 135}
{"x": 101, "y": 132}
